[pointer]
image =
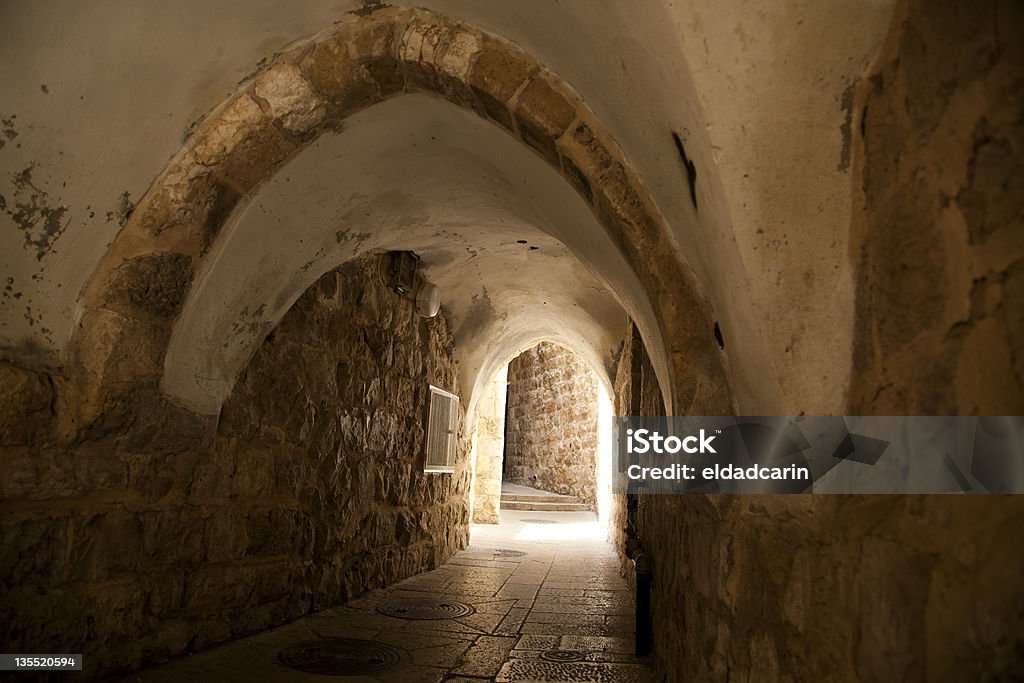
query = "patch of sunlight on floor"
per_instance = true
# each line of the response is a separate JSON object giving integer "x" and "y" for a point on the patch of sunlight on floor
{"x": 579, "y": 531}
{"x": 535, "y": 526}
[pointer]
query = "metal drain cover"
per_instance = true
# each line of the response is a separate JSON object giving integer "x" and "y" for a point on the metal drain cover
{"x": 563, "y": 655}
{"x": 343, "y": 657}
{"x": 505, "y": 552}
{"x": 426, "y": 608}
{"x": 539, "y": 521}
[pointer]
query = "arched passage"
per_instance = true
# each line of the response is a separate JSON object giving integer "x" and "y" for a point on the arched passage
{"x": 499, "y": 238}
{"x": 148, "y": 280}
{"x": 489, "y": 425}
{"x": 845, "y": 199}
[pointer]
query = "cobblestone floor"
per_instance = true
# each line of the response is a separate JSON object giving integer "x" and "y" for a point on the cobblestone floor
{"x": 549, "y": 606}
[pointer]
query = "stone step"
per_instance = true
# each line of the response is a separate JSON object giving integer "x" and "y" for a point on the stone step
{"x": 538, "y": 498}
{"x": 544, "y": 507}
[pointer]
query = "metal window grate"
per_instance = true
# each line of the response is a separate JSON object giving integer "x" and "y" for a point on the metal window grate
{"x": 442, "y": 431}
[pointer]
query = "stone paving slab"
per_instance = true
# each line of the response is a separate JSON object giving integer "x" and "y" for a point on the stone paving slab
{"x": 564, "y": 595}
{"x": 595, "y": 656}
{"x": 583, "y": 672}
{"x": 486, "y": 656}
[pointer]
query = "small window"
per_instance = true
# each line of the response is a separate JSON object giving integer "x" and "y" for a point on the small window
{"x": 442, "y": 431}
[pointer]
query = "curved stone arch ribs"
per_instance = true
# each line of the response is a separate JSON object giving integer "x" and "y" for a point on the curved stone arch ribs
{"x": 137, "y": 292}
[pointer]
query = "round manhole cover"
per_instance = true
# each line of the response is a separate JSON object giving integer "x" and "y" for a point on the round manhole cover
{"x": 426, "y": 608}
{"x": 563, "y": 655}
{"x": 505, "y": 552}
{"x": 343, "y": 657}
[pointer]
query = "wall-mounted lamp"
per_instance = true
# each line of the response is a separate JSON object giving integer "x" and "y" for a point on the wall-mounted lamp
{"x": 403, "y": 271}
{"x": 428, "y": 299}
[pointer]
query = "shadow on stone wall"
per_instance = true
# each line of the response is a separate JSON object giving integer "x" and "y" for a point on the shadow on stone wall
{"x": 311, "y": 492}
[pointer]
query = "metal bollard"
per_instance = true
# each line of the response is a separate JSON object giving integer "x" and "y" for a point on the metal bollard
{"x": 642, "y": 565}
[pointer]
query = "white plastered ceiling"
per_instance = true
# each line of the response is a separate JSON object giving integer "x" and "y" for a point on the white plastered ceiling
{"x": 517, "y": 254}
{"x": 95, "y": 98}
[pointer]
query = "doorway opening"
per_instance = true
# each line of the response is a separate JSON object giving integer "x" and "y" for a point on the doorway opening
{"x": 541, "y": 445}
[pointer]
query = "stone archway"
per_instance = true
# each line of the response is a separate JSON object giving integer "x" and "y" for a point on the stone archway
{"x": 137, "y": 292}
{"x": 487, "y": 422}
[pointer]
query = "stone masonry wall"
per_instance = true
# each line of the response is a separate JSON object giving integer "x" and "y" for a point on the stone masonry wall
{"x": 802, "y": 588}
{"x": 488, "y": 446}
{"x": 636, "y": 393}
{"x": 909, "y": 588}
{"x": 939, "y": 246}
{"x": 551, "y": 424}
{"x": 312, "y": 492}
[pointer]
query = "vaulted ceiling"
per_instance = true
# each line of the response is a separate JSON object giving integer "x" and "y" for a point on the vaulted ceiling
{"x": 98, "y": 97}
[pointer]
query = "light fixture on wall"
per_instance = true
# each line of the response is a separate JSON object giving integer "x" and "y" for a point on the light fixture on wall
{"x": 428, "y": 299}
{"x": 403, "y": 271}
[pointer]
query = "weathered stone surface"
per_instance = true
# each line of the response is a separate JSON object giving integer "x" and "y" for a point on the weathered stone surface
{"x": 460, "y": 54}
{"x": 156, "y": 283}
{"x": 34, "y": 550}
{"x": 943, "y": 214}
{"x": 886, "y": 587}
{"x": 346, "y": 83}
{"x": 117, "y": 354}
{"x": 437, "y": 55}
{"x": 621, "y": 208}
{"x": 289, "y": 97}
{"x": 497, "y": 74}
{"x": 159, "y": 426}
{"x": 423, "y": 43}
{"x": 42, "y": 473}
{"x": 104, "y": 546}
{"x": 551, "y": 423}
{"x": 543, "y": 113}
{"x": 241, "y": 145}
{"x": 190, "y": 199}
{"x": 585, "y": 159}
{"x": 992, "y": 198}
{"x": 173, "y": 536}
{"x": 488, "y": 449}
{"x": 27, "y": 406}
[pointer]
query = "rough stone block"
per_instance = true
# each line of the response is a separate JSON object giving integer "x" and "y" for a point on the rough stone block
{"x": 437, "y": 55}
{"x": 255, "y": 473}
{"x": 346, "y": 83}
{"x": 498, "y": 72}
{"x": 104, "y": 546}
{"x": 159, "y": 426}
{"x": 289, "y": 97}
{"x": 34, "y": 550}
{"x": 241, "y": 144}
{"x": 212, "y": 477}
{"x": 622, "y": 211}
{"x": 585, "y": 159}
{"x": 459, "y": 53}
{"x": 27, "y": 406}
{"x": 271, "y": 532}
{"x": 155, "y": 283}
{"x": 422, "y": 44}
{"x": 117, "y": 354}
{"x": 165, "y": 597}
{"x": 173, "y": 536}
{"x": 188, "y": 196}
{"x": 543, "y": 113}
{"x": 225, "y": 536}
